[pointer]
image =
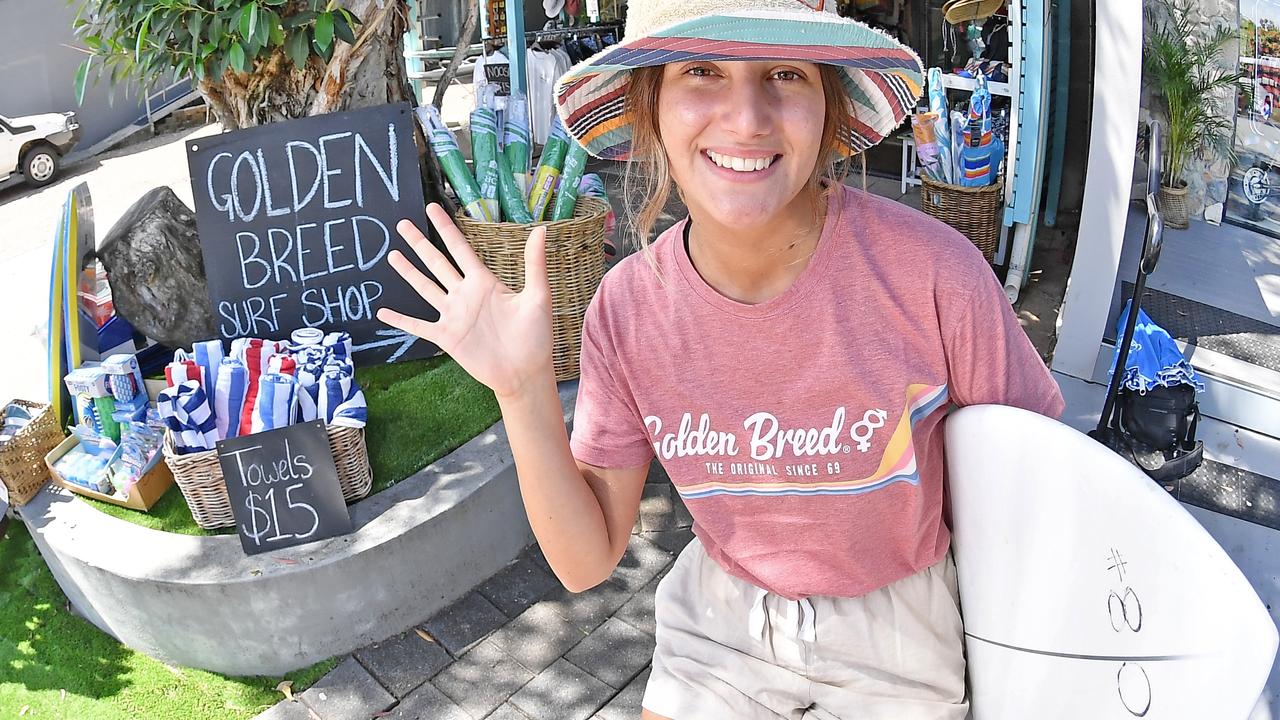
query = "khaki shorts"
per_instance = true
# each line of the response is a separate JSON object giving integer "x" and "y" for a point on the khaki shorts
{"x": 727, "y": 649}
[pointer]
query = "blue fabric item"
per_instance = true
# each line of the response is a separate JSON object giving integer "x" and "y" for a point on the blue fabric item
{"x": 1154, "y": 359}
{"x": 340, "y": 400}
{"x": 185, "y": 411}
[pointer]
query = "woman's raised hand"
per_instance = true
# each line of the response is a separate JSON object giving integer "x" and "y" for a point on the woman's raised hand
{"x": 502, "y": 338}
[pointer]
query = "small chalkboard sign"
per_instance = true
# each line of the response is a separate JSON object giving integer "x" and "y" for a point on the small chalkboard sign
{"x": 283, "y": 487}
{"x": 499, "y": 74}
{"x": 296, "y": 220}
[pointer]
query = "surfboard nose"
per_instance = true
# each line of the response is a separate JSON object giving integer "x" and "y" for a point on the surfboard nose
{"x": 1086, "y": 589}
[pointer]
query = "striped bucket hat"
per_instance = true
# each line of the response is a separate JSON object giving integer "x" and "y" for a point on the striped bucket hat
{"x": 882, "y": 77}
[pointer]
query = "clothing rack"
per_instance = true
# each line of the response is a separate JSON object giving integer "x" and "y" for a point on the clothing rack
{"x": 557, "y": 33}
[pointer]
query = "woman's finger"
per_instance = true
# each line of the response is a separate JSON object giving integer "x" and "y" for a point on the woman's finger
{"x": 436, "y": 262}
{"x": 426, "y": 287}
{"x": 412, "y": 325}
{"x": 454, "y": 240}
{"x": 535, "y": 260}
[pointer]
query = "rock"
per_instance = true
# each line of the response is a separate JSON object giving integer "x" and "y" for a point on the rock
{"x": 152, "y": 256}
{"x": 1216, "y": 192}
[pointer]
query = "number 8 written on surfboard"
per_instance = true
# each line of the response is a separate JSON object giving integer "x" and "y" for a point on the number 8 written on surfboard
{"x": 1124, "y": 610}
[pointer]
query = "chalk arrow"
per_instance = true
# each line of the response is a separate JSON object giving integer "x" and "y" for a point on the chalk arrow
{"x": 393, "y": 337}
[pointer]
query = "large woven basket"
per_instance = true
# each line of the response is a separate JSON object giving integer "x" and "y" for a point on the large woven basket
{"x": 1172, "y": 203}
{"x": 575, "y": 265}
{"x": 22, "y": 467}
{"x": 199, "y": 475}
{"x": 974, "y": 211}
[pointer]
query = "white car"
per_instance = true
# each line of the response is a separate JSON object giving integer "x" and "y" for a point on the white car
{"x": 34, "y": 145}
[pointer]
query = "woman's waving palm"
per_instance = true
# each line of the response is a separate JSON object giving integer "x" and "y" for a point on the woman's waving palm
{"x": 502, "y": 338}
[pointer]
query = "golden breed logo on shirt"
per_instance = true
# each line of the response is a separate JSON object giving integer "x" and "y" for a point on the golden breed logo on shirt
{"x": 724, "y": 453}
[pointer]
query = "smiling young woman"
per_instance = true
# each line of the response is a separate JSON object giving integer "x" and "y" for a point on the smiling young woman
{"x": 787, "y": 352}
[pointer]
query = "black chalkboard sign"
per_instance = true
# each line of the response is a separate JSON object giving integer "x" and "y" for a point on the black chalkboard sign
{"x": 500, "y": 75}
{"x": 283, "y": 487}
{"x": 296, "y": 220}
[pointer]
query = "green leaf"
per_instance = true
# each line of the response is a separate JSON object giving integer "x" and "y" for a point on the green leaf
{"x": 252, "y": 22}
{"x": 142, "y": 36}
{"x": 262, "y": 32}
{"x": 325, "y": 53}
{"x": 195, "y": 22}
{"x": 276, "y": 32}
{"x": 343, "y": 30}
{"x": 94, "y": 42}
{"x": 301, "y": 18}
{"x": 275, "y": 2}
{"x": 82, "y": 74}
{"x": 324, "y": 31}
{"x": 236, "y": 56}
{"x": 200, "y": 71}
{"x": 296, "y": 48}
{"x": 247, "y": 19}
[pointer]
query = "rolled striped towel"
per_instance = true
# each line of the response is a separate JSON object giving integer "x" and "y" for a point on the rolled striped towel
{"x": 338, "y": 344}
{"x": 341, "y": 401}
{"x": 310, "y": 362}
{"x": 277, "y": 402}
{"x": 185, "y": 411}
{"x": 183, "y": 368}
{"x": 208, "y": 355}
{"x": 256, "y": 355}
{"x": 230, "y": 389}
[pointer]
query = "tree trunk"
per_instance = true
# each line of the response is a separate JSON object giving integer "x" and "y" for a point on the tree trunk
{"x": 364, "y": 74}
{"x": 367, "y": 73}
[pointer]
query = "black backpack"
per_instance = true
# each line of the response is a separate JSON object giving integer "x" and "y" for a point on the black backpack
{"x": 1159, "y": 427}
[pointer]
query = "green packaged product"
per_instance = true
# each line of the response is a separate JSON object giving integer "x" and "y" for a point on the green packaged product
{"x": 575, "y": 164}
{"x": 445, "y": 146}
{"x": 516, "y": 143}
{"x": 106, "y": 407}
{"x": 484, "y": 149}
{"x": 544, "y": 182}
{"x": 509, "y": 194}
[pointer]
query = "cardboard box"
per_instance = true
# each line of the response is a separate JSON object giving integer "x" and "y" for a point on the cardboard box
{"x": 153, "y": 484}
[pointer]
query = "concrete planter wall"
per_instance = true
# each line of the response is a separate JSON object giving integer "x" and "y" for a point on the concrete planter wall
{"x": 201, "y": 602}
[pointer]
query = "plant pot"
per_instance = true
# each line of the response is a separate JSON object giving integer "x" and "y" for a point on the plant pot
{"x": 1173, "y": 206}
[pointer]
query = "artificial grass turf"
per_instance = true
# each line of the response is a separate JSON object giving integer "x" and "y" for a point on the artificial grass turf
{"x": 57, "y": 665}
{"x": 419, "y": 411}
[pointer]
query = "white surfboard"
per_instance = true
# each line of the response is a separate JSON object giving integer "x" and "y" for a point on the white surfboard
{"x": 1087, "y": 591}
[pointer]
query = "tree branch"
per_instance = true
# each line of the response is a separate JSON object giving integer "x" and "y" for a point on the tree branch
{"x": 459, "y": 52}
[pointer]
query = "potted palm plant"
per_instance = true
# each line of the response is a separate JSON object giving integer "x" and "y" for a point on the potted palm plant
{"x": 1182, "y": 64}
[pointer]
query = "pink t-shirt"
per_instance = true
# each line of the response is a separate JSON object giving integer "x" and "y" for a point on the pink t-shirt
{"x": 805, "y": 433}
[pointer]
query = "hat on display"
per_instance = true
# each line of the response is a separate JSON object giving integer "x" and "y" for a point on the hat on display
{"x": 552, "y": 7}
{"x": 962, "y": 11}
{"x": 882, "y": 77}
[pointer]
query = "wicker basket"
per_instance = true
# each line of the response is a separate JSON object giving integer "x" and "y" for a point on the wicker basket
{"x": 575, "y": 265}
{"x": 974, "y": 211}
{"x": 199, "y": 476}
{"x": 22, "y": 467}
{"x": 1173, "y": 207}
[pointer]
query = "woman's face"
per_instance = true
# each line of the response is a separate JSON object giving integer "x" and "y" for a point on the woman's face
{"x": 742, "y": 137}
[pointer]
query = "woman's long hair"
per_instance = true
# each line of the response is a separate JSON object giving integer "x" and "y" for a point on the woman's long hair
{"x": 647, "y": 179}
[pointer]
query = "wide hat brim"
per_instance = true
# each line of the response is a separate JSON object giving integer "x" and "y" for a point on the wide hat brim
{"x": 882, "y": 77}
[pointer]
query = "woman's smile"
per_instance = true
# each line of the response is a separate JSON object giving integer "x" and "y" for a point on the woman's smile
{"x": 742, "y": 166}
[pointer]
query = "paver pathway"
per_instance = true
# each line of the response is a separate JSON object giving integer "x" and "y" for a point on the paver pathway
{"x": 519, "y": 646}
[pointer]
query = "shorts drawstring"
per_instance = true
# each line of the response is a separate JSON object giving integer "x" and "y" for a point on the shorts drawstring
{"x": 802, "y": 609}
